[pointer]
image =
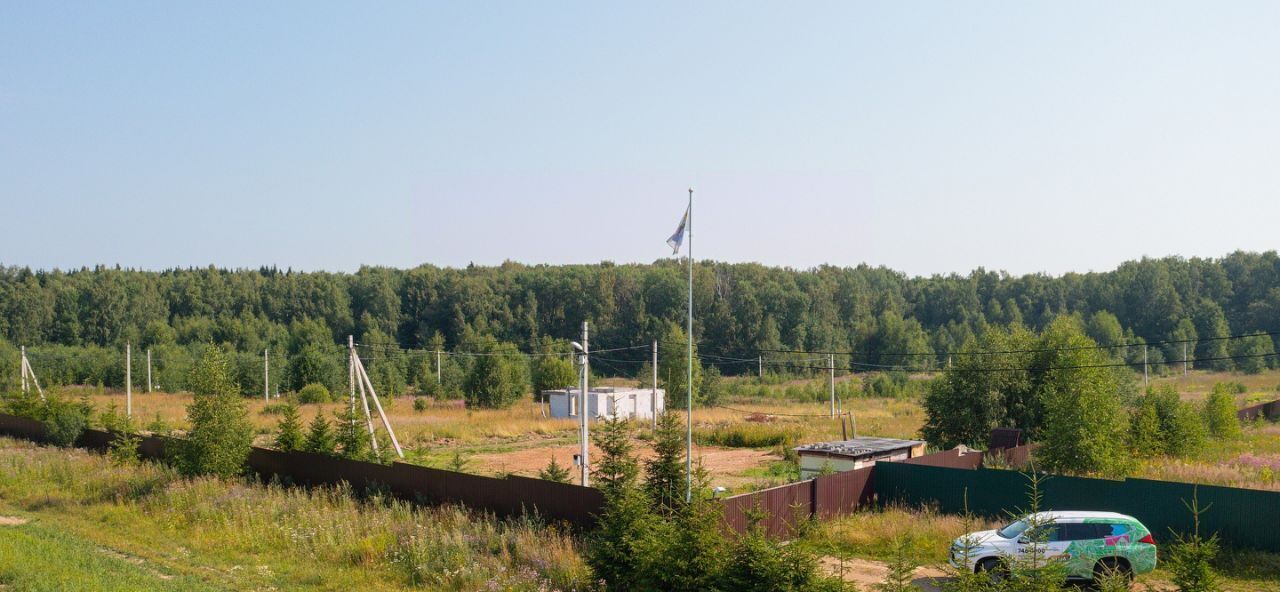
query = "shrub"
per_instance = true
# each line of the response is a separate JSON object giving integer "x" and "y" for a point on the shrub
{"x": 275, "y": 408}
{"x": 420, "y": 404}
{"x": 1163, "y": 424}
{"x": 497, "y": 379}
{"x": 64, "y": 420}
{"x": 748, "y": 435}
{"x": 220, "y": 436}
{"x": 314, "y": 393}
{"x": 1220, "y": 415}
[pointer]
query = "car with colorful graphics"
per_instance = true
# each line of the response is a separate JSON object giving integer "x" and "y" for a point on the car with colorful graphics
{"x": 1090, "y": 544}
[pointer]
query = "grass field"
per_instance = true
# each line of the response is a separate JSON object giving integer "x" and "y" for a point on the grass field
{"x": 69, "y": 520}
{"x": 741, "y": 443}
{"x": 115, "y": 527}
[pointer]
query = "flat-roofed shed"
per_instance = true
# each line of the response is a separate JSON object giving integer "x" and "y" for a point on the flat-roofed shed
{"x": 849, "y": 455}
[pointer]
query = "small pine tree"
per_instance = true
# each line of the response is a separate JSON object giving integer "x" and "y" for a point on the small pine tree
{"x": 319, "y": 436}
{"x": 123, "y": 450}
{"x": 158, "y": 426}
{"x": 353, "y": 435}
{"x": 756, "y": 563}
{"x": 1033, "y": 570}
{"x": 1191, "y": 556}
{"x": 221, "y": 435}
{"x": 664, "y": 472}
{"x": 289, "y": 436}
{"x": 618, "y": 550}
{"x": 554, "y": 472}
{"x": 458, "y": 463}
{"x": 964, "y": 579}
{"x": 902, "y": 568}
{"x": 617, "y": 468}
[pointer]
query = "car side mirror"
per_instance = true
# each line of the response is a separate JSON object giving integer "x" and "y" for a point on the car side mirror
{"x": 1022, "y": 540}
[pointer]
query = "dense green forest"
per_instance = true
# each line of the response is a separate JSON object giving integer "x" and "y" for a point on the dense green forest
{"x": 76, "y": 322}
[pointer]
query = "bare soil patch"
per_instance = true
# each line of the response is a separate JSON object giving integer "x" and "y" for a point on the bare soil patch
{"x": 866, "y": 572}
{"x": 725, "y": 465}
{"x": 12, "y": 521}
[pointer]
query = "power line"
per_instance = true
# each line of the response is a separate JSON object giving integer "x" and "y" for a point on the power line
{"x": 1021, "y": 351}
{"x": 1080, "y": 366}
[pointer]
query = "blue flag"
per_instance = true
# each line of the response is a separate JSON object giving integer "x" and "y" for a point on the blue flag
{"x": 677, "y": 239}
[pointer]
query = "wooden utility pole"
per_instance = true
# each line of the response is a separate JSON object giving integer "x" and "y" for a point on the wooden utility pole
{"x": 128, "y": 379}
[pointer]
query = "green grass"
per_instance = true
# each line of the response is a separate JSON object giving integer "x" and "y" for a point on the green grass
{"x": 747, "y": 435}
{"x": 241, "y": 535}
{"x": 36, "y": 557}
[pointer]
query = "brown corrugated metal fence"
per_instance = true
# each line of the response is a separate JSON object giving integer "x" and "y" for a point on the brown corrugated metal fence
{"x": 511, "y": 496}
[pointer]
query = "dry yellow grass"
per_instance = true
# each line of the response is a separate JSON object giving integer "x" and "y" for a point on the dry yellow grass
{"x": 490, "y": 436}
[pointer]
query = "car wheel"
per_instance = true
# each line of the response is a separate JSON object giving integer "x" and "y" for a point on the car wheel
{"x": 1112, "y": 568}
{"x": 994, "y": 568}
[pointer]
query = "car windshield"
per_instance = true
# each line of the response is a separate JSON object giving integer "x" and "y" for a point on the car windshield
{"x": 1013, "y": 530}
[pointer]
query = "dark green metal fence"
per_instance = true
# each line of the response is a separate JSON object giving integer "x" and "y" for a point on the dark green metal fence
{"x": 1242, "y": 517}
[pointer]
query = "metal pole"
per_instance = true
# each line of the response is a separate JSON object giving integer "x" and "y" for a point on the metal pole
{"x": 831, "y": 360}
{"x": 653, "y": 398}
{"x": 266, "y": 374}
{"x": 1144, "y": 365}
{"x": 1184, "y": 360}
{"x": 760, "y": 365}
{"x": 583, "y": 433}
{"x": 148, "y": 370}
{"x": 688, "y": 459}
{"x": 437, "y": 368}
{"x": 128, "y": 379}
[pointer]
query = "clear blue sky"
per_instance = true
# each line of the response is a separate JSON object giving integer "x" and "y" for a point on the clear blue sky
{"x": 925, "y": 136}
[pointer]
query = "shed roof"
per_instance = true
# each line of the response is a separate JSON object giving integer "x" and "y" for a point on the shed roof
{"x": 858, "y": 447}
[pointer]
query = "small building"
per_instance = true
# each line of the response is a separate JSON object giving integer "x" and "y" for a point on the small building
{"x": 607, "y": 402}
{"x": 849, "y": 455}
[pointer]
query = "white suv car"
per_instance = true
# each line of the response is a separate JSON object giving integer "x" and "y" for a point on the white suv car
{"x": 1089, "y": 543}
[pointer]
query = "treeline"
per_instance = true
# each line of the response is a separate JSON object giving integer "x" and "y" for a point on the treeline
{"x": 740, "y": 309}
{"x": 1087, "y": 415}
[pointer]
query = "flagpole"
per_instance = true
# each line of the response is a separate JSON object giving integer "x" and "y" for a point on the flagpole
{"x": 688, "y": 476}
